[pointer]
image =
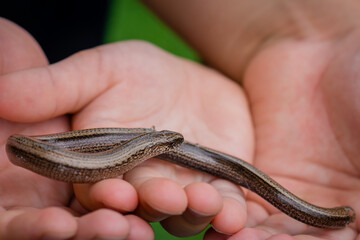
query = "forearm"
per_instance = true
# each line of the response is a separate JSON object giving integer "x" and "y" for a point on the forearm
{"x": 229, "y": 33}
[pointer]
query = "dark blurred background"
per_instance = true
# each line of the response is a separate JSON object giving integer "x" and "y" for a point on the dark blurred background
{"x": 61, "y": 27}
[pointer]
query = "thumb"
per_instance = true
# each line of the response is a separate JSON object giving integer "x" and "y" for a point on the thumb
{"x": 18, "y": 49}
{"x": 42, "y": 93}
{"x": 45, "y": 92}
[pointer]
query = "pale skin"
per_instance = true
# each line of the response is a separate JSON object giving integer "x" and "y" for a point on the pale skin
{"x": 302, "y": 92}
{"x": 120, "y": 85}
{"x": 298, "y": 64}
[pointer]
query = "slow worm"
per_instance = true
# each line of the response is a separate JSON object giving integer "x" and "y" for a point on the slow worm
{"x": 90, "y": 155}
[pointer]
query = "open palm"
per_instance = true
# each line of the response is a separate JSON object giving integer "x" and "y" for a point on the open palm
{"x": 304, "y": 100}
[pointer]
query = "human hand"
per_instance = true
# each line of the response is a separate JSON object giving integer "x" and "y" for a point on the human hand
{"x": 304, "y": 100}
{"x": 297, "y": 61}
{"x": 31, "y": 206}
{"x": 133, "y": 84}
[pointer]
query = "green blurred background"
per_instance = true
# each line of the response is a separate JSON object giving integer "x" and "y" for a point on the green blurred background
{"x": 130, "y": 19}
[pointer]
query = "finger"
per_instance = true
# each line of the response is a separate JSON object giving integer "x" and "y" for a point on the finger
{"x": 233, "y": 216}
{"x": 103, "y": 224}
{"x": 111, "y": 193}
{"x": 287, "y": 237}
{"x": 18, "y": 49}
{"x": 49, "y": 89}
{"x": 282, "y": 223}
{"x": 253, "y": 233}
{"x": 139, "y": 229}
{"x": 204, "y": 202}
{"x": 158, "y": 197}
{"x": 280, "y": 226}
{"x": 52, "y": 223}
{"x": 256, "y": 213}
{"x": 246, "y": 233}
{"x": 211, "y": 234}
{"x": 69, "y": 85}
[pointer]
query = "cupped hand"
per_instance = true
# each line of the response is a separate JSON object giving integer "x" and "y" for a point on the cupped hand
{"x": 304, "y": 97}
{"x": 134, "y": 84}
{"x": 31, "y": 206}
